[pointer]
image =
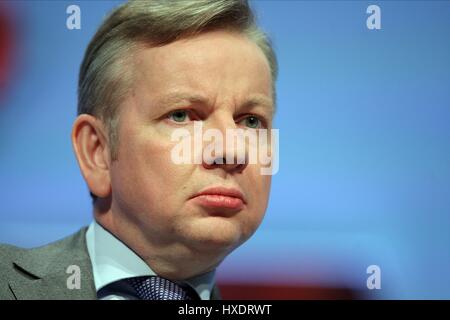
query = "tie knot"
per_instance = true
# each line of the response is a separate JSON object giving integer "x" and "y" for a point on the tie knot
{"x": 158, "y": 288}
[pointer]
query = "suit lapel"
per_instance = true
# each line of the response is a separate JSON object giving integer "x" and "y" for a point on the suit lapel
{"x": 44, "y": 273}
{"x": 45, "y": 289}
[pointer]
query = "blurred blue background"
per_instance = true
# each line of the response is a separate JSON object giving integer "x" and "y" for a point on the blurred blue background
{"x": 364, "y": 143}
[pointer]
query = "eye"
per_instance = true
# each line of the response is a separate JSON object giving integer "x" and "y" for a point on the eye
{"x": 178, "y": 115}
{"x": 252, "y": 122}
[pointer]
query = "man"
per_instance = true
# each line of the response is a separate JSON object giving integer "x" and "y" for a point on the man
{"x": 161, "y": 228}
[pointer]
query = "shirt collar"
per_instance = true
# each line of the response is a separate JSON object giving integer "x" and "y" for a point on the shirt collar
{"x": 112, "y": 260}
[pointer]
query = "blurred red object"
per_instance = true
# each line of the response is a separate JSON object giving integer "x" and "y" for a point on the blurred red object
{"x": 244, "y": 291}
{"x": 6, "y": 47}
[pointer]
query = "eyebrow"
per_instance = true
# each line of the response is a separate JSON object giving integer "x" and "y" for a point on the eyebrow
{"x": 179, "y": 97}
{"x": 259, "y": 100}
{"x": 254, "y": 100}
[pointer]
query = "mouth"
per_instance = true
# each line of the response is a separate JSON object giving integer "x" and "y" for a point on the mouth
{"x": 220, "y": 197}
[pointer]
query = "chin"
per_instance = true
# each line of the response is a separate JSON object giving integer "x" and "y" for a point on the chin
{"x": 216, "y": 234}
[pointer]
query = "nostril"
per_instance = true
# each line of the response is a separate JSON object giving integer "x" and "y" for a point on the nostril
{"x": 219, "y": 161}
{"x": 240, "y": 167}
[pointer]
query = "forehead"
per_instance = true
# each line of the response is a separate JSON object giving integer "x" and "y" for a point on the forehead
{"x": 217, "y": 62}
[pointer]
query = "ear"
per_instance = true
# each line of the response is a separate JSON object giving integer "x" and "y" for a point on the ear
{"x": 92, "y": 152}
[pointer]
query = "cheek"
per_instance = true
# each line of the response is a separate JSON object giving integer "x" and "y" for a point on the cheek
{"x": 145, "y": 180}
{"x": 259, "y": 188}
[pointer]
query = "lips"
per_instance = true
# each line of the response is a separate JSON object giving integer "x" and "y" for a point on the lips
{"x": 220, "y": 197}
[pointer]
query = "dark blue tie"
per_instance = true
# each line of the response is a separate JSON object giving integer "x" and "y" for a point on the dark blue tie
{"x": 157, "y": 288}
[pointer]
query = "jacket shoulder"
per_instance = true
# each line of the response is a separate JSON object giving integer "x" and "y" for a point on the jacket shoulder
{"x": 21, "y": 263}
{"x": 10, "y": 253}
{"x": 7, "y": 252}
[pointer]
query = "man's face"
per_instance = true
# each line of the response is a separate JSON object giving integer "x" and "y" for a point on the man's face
{"x": 209, "y": 78}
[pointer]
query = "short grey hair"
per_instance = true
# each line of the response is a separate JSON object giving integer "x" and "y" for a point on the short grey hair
{"x": 105, "y": 80}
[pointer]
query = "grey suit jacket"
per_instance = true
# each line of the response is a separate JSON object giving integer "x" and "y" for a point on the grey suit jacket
{"x": 42, "y": 273}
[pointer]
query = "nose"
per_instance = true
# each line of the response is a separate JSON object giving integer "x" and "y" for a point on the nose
{"x": 221, "y": 150}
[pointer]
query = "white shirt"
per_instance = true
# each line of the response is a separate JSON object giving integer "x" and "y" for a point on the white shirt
{"x": 112, "y": 260}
